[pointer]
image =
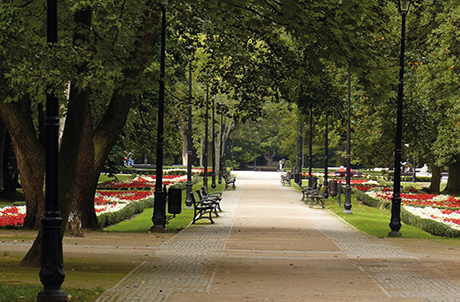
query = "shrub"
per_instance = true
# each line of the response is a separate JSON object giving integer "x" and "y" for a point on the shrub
{"x": 106, "y": 219}
{"x": 428, "y": 225}
{"x": 369, "y": 201}
{"x": 287, "y": 165}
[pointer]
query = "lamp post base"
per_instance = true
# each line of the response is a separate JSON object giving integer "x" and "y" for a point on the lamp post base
{"x": 347, "y": 212}
{"x": 52, "y": 296}
{"x": 394, "y": 234}
{"x": 157, "y": 229}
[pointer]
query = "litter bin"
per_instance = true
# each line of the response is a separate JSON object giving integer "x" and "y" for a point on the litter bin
{"x": 174, "y": 201}
{"x": 297, "y": 178}
{"x": 312, "y": 181}
{"x": 333, "y": 188}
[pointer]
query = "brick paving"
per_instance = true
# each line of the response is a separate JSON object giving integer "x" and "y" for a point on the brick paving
{"x": 264, "y": 233}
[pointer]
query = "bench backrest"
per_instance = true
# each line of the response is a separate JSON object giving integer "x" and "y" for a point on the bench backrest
{"x": 199, "y": 194}
{"x": 323, "y": 189}
{"x": 204, "y": 190}
{"x": 192, "y": 196}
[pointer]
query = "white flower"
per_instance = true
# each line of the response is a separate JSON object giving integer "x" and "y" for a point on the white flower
{"x": 435, "y": 214}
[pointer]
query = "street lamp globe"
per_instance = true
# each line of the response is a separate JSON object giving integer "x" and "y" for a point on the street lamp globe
{"x": 404, "y": 6}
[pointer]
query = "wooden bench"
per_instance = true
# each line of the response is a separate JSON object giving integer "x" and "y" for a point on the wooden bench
{"x": 213, "y": 200}
{"x": 286, "y": 178}
{"x": 307, "y": 190}
{"x": 216, "y": 195}
{"x": 317, "y": 196}
{"x": 202, "y": 208}
{"x": 229, "y": 180}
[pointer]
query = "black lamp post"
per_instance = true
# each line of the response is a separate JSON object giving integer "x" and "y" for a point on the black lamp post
{"x": 188, "y": 185}
{"x": 159, "y": 204}
{"x": 326, "y": 156}
{"x": 205, "y": 161}
{"x": 303, "y": 146}
{"x": 299, "y": 160}
{"x": 395, "y": 223}
{"x": 221, "y": 153}
{"x": 233, "y": 128}
{"x": 310, "y": 157}
{"x": 347, "y": 205}
{"x": 213, "y": 184}
{"x": 297, "y": 148}
{"x": 299, "y": 172}
{"x": 255, "y": 149}
{"x": 52, "y": 273}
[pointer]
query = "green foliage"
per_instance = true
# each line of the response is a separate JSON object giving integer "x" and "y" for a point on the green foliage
{"x": 115, "y": 161}
{"x": 139, "y": 135}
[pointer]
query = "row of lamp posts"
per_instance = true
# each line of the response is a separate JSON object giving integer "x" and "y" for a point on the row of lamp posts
{"x": 52, "y": 272}
{"x": 395, "y": 222}
{"x": 159, "y": 216}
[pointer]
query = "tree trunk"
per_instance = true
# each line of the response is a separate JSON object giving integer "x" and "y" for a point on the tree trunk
{"x": 453, "y": 182}
{"x": 69, "y": 150}
{"x": 3, "y": 133}
{"x": 183, "y": 132}
{"x": 103, "y": 137}
{"x": 9, "y": 171}
{"x": 94, "y": 151}
{"x": 30, "y": 156}
{"x": 85, "y": 189}
{"x": 435, "y": 186}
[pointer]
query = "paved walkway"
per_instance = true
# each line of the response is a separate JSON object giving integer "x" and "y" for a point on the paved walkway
{"x": 269, "y": 246}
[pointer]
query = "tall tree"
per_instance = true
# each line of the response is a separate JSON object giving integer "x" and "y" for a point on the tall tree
{"x": 102, "y": 58}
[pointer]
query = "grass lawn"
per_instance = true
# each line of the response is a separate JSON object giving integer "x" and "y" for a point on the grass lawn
{"x": 87, "y": 275}
{"x": 370, "y": 220}
{"x": 373, "y": 221}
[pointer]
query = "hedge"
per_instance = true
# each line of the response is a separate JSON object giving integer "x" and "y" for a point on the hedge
{"x": 135, "y": 207}
{"x": 372, "y": 202}
{"x": 428, "y": 225}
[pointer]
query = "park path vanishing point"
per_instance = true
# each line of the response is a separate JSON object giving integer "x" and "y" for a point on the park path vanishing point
{"x": 312, "y": 255}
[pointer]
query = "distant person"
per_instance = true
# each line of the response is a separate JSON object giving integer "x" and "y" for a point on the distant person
{"x": 424, "y": 169}
{"x": 280, "y": 166}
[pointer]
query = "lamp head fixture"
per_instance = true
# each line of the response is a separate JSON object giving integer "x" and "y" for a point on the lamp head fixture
{"x": 404, "y": 6}
{"x": 164, "y": 2}
{"x": 190, "y": 49}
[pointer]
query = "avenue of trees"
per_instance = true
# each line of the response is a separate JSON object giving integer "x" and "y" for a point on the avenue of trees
{"x": 280, "y": 60}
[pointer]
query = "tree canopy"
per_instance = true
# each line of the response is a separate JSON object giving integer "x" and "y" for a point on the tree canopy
{"x": 256, "y": 55}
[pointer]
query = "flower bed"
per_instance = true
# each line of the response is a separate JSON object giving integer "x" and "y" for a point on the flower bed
{"x": 110, "y": 206}
{"x": 107, "y": 201}
{"x": 142, "y": 182}
{"x": 12, "y": 216}
{"x": 434, "y": 213}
